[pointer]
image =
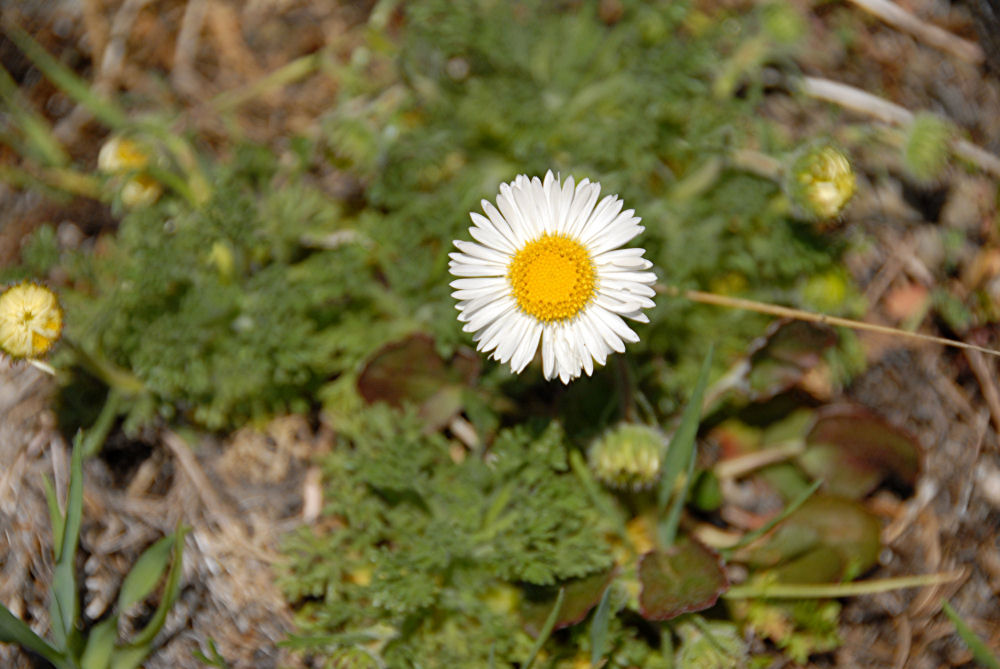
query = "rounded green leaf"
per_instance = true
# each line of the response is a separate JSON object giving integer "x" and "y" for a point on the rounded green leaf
{"x": 853, "y": 451}
{"x": 685, "y": 577}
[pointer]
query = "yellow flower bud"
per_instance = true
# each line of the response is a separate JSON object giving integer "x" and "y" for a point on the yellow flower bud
{"x": 30, "y": 320}
{"x": 820, "y": 182}
{"x": 124, "y": 156}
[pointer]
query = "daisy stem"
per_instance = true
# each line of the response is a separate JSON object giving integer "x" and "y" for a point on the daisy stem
{"x": 624, "y": 389}
{"x": 812, "y": 317}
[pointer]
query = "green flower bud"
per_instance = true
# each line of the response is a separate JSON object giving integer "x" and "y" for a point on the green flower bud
{"x": 783, "y": 23}
{"x": 628, "y": 456}
{"x": 926, "y": 152}
{"x": 820, "y": 182}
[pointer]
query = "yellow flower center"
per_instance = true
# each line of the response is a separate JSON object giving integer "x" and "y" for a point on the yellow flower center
{"x": 553, "y": 278}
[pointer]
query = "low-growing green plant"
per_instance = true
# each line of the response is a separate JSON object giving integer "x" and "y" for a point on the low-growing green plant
{"x": 462, "y": 525}
{"x": 69, "y": 645}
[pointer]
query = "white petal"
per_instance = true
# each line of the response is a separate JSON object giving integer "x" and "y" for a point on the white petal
{"x": 503, "y": 225}
{"x": 562, "y": 354}
{"x": 548, "y": 351}
{"x": 471, "y": 306}
{"x": 553, "y": 202}
{"x": 475, "y": 284}
{"x": 607, "y": 334}
{"x": 565, "y": 198}
{"x": 628, "y": 298}
{"x": 471, "y": 269}
{"x": 490, "y": 337}
{"x": 474, "y": 293}
{"x": 622, "y": 278}
{"x": 482, "y": 252}
{"x": 630, "y": 258}
{"x": 597, "y": 348}
{"x": 583, "y": 204}
{"x": 612, "y": 237}
{"x": 487, "y": 234}
{"x": 567, "y": 357}
{"x": 602, "y": 218}
{"x": 536, "y": 208}
{"x": 488, "y": 314}
{"x": 508, "y": 207}
{"x": 529, "y": 344}
{"x": 616, "y": 324}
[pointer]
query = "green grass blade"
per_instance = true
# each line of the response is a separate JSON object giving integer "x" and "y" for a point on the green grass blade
{"x": 680, "y": 455}
{"x": 287, "y": 74}
{"x": 599, "y": 628}
{"x": 55, "y": 516}
{"x": 41, "y": 143}
{"x": 100, "y": 644}
{"x": 128, "y": 657}
{"x": 824, "y": 590}
{"x": 750, "y": 537}
{"x": 64, "y": 606}
{"x": 979, "y": 649}
{"x": 668, "y": 527}
{"x": 543, "y": 635}
{"x": 77, "y": 88}
{"x": 13, "y": 630}
{"x": 145, "y": 573}
{"x": 170, "y": 591}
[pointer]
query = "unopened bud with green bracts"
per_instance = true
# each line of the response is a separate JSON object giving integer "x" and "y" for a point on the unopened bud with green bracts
{"x": 928, "y": 142}
{"x": 628, "y": 456}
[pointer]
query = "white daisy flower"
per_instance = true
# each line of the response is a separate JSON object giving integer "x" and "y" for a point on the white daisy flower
{"x": 547, "y": 267}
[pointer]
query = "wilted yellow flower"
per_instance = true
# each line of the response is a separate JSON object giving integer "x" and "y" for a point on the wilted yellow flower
{"x": 30, "y": 320}
{"x": 121, "y": 155}
{"x": 820, "y": 182}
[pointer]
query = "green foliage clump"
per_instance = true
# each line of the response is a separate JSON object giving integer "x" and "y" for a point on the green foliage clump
{"x": 425, "y": 549}
{"x": 799, "y": 627}
{"x": 222, "y": 308}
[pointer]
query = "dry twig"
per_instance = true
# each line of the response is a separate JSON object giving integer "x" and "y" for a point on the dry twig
{"x": 899, "y": 18}
{"x": 987, "y": 382}
{"x": 183, "y": 76}
{"x": 863, "y": 102}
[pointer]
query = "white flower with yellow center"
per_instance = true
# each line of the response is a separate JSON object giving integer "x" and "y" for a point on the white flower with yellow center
{"x": 548, "y": 268}
{"x": 30, "y": 320}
